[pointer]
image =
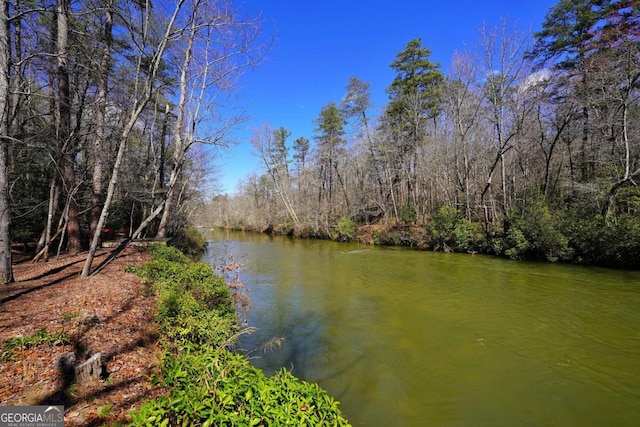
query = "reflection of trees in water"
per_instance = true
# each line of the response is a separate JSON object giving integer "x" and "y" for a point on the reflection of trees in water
{"x": 301, "y": 344}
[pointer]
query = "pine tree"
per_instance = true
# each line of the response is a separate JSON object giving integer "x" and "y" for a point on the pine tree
{"x": 416, "y": 96}
{"x": 330, "y": 145}
{"x": 568, "y": 32}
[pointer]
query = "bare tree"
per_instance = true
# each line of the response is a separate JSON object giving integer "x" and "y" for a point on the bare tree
{"x": 218, "y": 45}
{"x": 463, "y": 103}
{"x": 101, "y": 117}
{"x": 214, "y": 44}
{"x": 616, "y": 77}
{"x": 148, "y": 81}
{"x": 504, "y": 68}
{"x": 270, "y": 147}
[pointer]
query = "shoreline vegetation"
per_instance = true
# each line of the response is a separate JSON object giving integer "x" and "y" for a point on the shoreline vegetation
{"x": 533, "y": 232}
{"x": 526, "y": 146}
{"x": 207, "y": 383}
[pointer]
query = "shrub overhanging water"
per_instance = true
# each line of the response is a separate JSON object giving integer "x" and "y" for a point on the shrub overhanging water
{"x": 206, "y": 383}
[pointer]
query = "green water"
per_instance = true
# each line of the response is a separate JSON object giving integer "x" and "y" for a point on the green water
{"x": 410, "y": 338}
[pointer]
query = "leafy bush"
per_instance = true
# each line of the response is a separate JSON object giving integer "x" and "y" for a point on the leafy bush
{"x": 346, "y": 229}
{"x": 468, "y": 236}
{"x": 623, "y": 238}
{"x": 449, "y": 231}
{"x": 515, "y": 244}
{"x": 189, "y": 241}
{"x": 596, "y": 241}
{"x": 230, "y": 391}
{"x": 167, "y": 253}
{"x": 535, "y": 232}
{"x": 407, "y": 214}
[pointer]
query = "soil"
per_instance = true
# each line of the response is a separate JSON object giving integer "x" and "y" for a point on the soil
{"x": 109, "y": 313}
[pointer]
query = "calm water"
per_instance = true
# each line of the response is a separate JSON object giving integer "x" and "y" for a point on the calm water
{"x": 409, "y": 338}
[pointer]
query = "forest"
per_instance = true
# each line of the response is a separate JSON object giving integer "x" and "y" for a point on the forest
{"x": 105, "y": 107}
{"x": 528, "y": 148}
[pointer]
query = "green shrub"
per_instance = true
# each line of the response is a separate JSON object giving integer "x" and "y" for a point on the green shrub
{"x": 449, "y": 231}
{"x": 535, "y": 231}
{"x": 166, "y": 264}
{"x": 167, "y": 253}
{"x": 442, "y": 226}
{"x": 597, "y": 241}
{"x": 407, "y": 214}
{"x": 346, "y": 229}
{"x": 623, "y": 238}
{"x": 515, "y": 244}
{"x": 189, "y": 241}
{"x": 189, "y": 330}
{"x": 232, "y": 392}
{"x": 468, "y": 236}
{"x": 375, "y": 235}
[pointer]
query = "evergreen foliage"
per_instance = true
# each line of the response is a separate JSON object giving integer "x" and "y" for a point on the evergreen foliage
{"x": 568, "y": 31}
{"x": 416, "y": 77}
{"x": 189, "y": 240}
{"x": 346, "y": 229}
{"x": 535, "y": 231}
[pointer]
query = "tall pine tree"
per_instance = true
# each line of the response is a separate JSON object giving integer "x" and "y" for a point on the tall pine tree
{"x": 415, "y": 98}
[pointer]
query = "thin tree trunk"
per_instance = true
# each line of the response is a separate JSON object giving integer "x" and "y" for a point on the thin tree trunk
{"x": 6, "y": 271}
{"x": 67, "y": 147}
{"x": 54, "y": 196}
{"x": 16, "y": 78}
{"x": 98, "y": 143}
{"x": 180, "y": 145}
{"x": 139, "y": 106}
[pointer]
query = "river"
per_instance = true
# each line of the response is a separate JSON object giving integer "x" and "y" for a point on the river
{"x": 412, "y": 338}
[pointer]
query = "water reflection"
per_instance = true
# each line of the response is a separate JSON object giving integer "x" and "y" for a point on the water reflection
{"x": 409, "y": 338}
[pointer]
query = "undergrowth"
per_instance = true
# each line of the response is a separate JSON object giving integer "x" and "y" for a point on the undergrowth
{"x": 42, "y": 337}
{"x": 206, "y": 383}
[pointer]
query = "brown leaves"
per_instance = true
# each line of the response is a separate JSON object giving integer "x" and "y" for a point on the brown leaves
{"x": 107, "y": 313}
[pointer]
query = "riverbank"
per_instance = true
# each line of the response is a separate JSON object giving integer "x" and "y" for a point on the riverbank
{"x": 189, "y": 375}
{"x": 206, "y": 383}
{"x": 164, "y": 335}
{"x": 534, "y": 234}
{"x": 50, "y": 311}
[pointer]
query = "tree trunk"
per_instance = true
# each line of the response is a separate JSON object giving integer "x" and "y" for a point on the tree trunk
{"x": 180, "y": 145}
{"x": 98, "y": 143}
{"x": 54, "y": 196}
{"x": 139, "y": 105}
{"x": 168, "y": 205}
{"x": 6, "y": 271}
{"x": 65, "y": 144}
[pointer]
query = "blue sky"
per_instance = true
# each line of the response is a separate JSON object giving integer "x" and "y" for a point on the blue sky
{"x": 320, "y": 44}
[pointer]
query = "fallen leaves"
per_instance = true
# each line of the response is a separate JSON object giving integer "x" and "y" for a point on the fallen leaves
{"x": 108, "y": 313}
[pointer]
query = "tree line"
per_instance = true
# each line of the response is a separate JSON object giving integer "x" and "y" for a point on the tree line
{"x": 102, "y": 106}
{"x": 528, "y": 147}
